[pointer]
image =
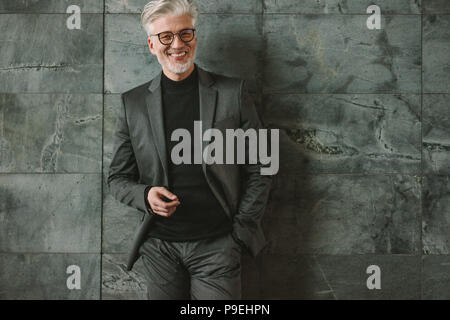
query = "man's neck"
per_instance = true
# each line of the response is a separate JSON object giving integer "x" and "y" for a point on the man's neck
{"x": 178, "y": 76}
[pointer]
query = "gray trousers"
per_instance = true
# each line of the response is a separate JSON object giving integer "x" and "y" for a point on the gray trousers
{"x": 204, "y": 269}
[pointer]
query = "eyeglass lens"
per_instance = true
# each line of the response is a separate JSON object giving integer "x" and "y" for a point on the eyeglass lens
{"x": 185, "y": 35}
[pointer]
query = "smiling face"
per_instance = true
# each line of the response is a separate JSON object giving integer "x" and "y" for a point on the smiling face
{"x": 176, "y": 59}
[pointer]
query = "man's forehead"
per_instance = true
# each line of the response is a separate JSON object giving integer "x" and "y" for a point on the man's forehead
{"x": 172, "y": 23}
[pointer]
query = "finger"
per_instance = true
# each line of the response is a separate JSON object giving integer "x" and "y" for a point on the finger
{"x": 168, "y": 194}
{"x": 171, "y": 211}
{"x": 172, "y": 204}
{"x": 160, "y": 213}
{"x": 159, "y": 203}
{"x": 167, "y": 214}
{"x": 165, "y": 205}
{"x": 156, "y": 208}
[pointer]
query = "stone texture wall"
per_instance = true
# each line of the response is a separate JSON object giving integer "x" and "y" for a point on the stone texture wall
{"x": 364, "y": 143}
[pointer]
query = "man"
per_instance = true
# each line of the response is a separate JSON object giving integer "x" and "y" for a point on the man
{"x": 197, "y": 217}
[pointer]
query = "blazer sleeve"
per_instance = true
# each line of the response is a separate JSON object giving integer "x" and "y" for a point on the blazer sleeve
{"x": 256, "y": 187}
{"x": 147, "y": 205}
{"x": 123, "y": 175}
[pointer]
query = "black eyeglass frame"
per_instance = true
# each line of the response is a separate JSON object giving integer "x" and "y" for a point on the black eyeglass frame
{"x": 173, "y": 36}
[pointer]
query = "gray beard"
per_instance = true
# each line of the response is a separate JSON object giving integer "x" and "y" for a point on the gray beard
{"x": 179, "y": 68}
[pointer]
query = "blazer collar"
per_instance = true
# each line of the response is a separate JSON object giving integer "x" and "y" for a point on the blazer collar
{"x": 204, "y": 78}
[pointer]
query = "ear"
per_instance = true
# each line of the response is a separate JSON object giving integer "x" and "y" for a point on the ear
{"x": 151, "y": 45}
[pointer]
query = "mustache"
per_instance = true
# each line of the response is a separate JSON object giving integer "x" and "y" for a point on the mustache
{"x": 187, "y": 49}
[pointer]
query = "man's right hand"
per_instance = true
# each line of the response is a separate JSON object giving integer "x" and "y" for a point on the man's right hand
{"x": 156, "y": 196}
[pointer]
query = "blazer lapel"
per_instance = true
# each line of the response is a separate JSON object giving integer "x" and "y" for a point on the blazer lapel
{"x": 155, "y": 113}
{"x": 208, "y": 97}
{"x": 208, "y": 106}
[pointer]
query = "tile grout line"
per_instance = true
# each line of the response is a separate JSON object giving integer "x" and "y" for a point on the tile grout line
{"x": 289, "y": 254}
{"x": 356, "y": 174}
{"x": 56, "y": 252}
{"x": 102, "y": 169}
{"x": 421, "y": 156}
{"x": 235, "y": 13}
{"x": 260, "y": 91}
{"x": 267, "y": 93}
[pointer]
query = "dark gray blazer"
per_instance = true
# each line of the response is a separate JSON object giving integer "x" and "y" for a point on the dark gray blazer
{"x": 139, "y": 157}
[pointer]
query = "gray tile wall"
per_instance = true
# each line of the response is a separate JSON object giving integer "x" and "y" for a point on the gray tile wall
{"x": 364, "y": 144}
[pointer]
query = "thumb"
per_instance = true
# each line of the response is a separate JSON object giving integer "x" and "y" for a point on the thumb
{"x": 168, "y": 194}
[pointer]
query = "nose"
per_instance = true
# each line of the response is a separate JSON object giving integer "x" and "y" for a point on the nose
{"x": 177, "y": 43}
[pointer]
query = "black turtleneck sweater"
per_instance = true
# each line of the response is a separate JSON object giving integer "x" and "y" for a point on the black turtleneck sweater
{"x": 199, "y": 214}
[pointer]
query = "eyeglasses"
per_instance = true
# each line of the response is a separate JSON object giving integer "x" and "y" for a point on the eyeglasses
{"x": 166, "y": 37}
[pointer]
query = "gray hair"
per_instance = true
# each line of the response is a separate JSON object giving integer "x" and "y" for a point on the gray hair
{"x": 158, "y": 8}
